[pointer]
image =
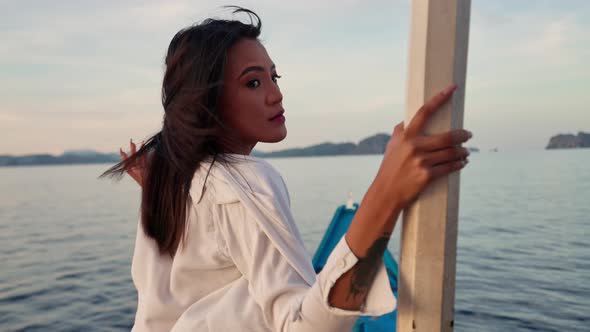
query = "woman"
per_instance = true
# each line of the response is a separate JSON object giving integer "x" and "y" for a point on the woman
{"x": 217, "y": 248}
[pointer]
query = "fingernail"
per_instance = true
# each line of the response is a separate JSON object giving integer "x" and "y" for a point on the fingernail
{"x": 449, "y": 89}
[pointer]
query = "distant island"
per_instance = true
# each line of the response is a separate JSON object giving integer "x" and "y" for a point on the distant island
{"x": 569, "y": 141}
{"x": 67, "y": 158}
{"x": 371, "y": 145}
{"x": 375, "y": 144}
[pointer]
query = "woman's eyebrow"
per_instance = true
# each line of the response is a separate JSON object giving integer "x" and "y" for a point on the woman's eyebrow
{"x": 255, "y": 68}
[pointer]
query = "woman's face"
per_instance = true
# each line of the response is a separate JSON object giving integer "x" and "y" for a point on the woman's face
{"x": 251, "y": 99}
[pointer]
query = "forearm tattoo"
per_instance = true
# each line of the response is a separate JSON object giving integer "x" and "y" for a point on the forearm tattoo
{"x": 365, "y": 270}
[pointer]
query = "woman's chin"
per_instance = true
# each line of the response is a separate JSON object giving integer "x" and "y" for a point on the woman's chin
{"x": 277, "y": 135}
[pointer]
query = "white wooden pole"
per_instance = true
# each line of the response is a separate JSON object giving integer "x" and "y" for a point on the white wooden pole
{"x": 437, "y": 58}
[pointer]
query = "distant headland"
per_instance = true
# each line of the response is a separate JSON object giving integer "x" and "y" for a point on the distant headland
{"x": 67, "y": 158}
{"x": 569, "y": 141}
{"x": 371, "y": 145}
{"x": 375, "y": 144}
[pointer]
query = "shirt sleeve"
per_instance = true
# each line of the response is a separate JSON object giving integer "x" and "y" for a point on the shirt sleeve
{"x": 288, "y": 302}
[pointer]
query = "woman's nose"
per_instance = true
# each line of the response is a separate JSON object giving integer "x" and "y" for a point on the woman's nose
{"x": 274, "y": 96}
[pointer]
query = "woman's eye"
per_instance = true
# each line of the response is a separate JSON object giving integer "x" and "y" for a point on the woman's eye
{"x": 275, "y": 78}
{"x": 253, "y": 84}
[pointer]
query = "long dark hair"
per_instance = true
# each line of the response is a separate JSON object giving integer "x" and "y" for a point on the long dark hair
{"x": 191, "y": 88}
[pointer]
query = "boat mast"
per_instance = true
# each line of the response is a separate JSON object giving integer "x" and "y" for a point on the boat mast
{"x": 437, "y": 58}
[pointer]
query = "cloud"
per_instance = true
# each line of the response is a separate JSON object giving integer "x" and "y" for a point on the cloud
{"x": 513, "y": 58}
{"x": 95, "y": 67}
{"x": 556, "y": 42}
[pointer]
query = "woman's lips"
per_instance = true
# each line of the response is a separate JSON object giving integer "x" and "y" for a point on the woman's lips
{"x": 278, "y": 116}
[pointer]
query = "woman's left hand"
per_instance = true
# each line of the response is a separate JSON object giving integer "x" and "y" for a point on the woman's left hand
{"x": 136, "y": 170}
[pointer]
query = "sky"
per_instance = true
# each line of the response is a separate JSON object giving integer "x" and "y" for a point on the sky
{"x": 87, "y": 74}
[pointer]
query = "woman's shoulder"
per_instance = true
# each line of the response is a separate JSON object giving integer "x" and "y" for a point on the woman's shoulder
{"x": 256, "y": 176}
{"x": 241, "y": 173}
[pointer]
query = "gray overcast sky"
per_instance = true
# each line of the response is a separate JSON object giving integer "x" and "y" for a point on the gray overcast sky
{"x": 87, "y": 74}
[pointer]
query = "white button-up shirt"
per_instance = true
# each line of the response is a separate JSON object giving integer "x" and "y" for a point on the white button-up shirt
{"x": 242, "y": 265}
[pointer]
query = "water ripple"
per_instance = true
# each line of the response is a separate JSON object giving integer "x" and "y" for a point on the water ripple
{"x": 523, "y": 257}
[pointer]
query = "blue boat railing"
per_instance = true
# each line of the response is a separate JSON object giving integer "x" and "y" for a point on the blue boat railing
{"x": 336, "y": 229}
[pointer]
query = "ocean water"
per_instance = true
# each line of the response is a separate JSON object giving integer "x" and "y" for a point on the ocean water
{"x": 523, "y": 263}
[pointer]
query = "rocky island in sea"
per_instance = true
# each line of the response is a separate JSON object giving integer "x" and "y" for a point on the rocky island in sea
{"x": 569, "y": 141}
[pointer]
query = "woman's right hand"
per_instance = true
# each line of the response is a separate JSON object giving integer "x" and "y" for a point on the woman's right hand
{"x": 412, "y": 160}
{"x": 137, "y": 169}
